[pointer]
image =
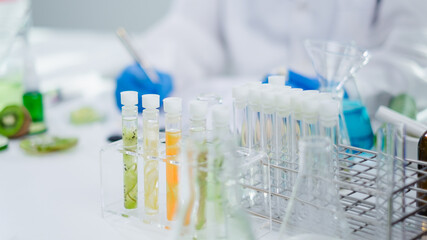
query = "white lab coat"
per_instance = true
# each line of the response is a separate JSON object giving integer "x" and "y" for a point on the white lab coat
{"x": 199, "y": 39}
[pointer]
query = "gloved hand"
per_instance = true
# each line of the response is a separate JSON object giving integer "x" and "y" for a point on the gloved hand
{"x": 297, "y": 80}
{"x": 134, "y": 78}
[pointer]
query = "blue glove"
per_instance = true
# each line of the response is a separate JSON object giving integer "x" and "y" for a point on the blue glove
{"x": 296, "y": 80}
{"x": 134, "y": 78}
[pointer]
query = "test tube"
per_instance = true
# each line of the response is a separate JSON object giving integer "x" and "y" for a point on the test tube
{"x": 329, "y": 127}
{"x": 296, "y": 99}
{"x": 240, "y": 115}
{"x": 173, "y": 127}
{"x": 310, "y": 109}
{"x": 257, "y": 200}
{"x": 283, "y": 148}
{"x": 296, "y": 130}
{"x": 150, "y": 126}
{"x": 129, "y": 100}
{"x": 268, "y": 122}
{"x": 254, "y": 113}
{"x": 198, "y": 112}
{"x": 328, "y": 120}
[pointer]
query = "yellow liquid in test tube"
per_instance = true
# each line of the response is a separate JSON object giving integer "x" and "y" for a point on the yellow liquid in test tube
{"x": 151, "y": 167}
{"x": 172, "y": 151}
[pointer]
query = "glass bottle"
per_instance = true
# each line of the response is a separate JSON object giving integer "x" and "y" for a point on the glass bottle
{"x": 422, "y": 156}
{"x": 32, "y": 97}
{"x": 314, "y": 210}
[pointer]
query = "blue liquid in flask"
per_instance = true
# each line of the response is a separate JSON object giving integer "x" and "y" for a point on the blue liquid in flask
{"x": 358, "y": 124}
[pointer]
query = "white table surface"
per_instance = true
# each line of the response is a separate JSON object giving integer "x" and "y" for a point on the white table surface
{"x": 57, "y": 196}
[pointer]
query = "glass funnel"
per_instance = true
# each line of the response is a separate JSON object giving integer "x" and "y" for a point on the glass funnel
{"x": 13, "y": 18}
{"x": 335, "y": 62}
{"x": 314, "y": 210}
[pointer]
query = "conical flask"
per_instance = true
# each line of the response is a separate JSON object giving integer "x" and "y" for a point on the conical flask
{"x": 314, "y": 210}
{"x": 211, "y": 209}
{"x": 334, "y": 64}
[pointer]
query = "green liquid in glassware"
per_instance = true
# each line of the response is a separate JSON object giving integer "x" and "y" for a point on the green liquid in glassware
{"x": 33, "y": 101}
{"x": 10, "y": 91}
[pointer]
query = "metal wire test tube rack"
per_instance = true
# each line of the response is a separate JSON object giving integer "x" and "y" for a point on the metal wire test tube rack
{"x": 359, "y": 193}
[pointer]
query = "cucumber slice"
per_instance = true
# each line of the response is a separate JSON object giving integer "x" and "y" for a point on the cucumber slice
{"x": 4, "y": 142}
{"x": 85, "y": 115}
{"x": 37, "y": 127}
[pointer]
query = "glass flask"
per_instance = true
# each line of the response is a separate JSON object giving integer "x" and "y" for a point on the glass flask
{"x": 210, "y": 204}
{"x": 357, "y": 117}
{"x": 14, "y": 25}
{"x": 314, "y": 210}
{"x": 334, "y": 64}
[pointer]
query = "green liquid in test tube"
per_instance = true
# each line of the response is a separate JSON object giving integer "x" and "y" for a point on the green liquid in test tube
{"x": 198, "y": 113}
{"x": 130, "y": 142}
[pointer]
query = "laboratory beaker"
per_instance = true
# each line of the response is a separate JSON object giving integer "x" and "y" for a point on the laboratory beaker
{"x": 334, "y": 63}
{"x": 314, "y": 210}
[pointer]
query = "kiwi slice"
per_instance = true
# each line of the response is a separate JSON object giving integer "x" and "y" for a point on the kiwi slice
{"x": 47, "y": 143}
{"x": 14, "y": 121}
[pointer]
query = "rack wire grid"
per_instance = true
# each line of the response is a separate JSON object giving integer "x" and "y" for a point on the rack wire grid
{"x": 402, "y": 214}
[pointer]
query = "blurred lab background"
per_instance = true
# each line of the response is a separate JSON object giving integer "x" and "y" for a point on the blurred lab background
{"x": 134, "y": 15}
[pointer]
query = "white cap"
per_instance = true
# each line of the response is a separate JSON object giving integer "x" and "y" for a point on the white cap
{"x": 325, "y": 96}
{"x": 240, "y": 93}
{"x": 129, "y": 98}
{"x": 267, "y": 96}
{"x": 253, "y": 84}
{"x": 283, "y": 101}
{"x": 310, "y": 108}
{"x": 220, "y": 115}
{"x": 150, "y": 101}
{"x": 277, "y": 80}
{"x": 329, "y": 113}
{"x": 255, "y": 95}
{"x": 312, "y": 91}
{"x": 198, "y": 109}
{"x": 296, "y": 97}
{"x": 172, "y": 105}
{"x": 296, "y": 89}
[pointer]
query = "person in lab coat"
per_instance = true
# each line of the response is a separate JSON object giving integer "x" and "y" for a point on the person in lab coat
{"x": 198, "y": 39}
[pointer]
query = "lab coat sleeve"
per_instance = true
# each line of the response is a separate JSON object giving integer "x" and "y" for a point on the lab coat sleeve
{"x": 399, "y": 59}
{"x": 187, "y": 42}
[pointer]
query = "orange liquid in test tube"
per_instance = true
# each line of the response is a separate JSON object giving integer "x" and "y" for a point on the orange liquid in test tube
{"x": 172, "y": 151}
